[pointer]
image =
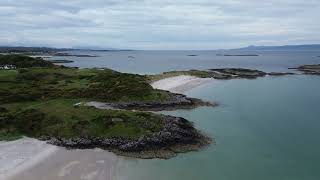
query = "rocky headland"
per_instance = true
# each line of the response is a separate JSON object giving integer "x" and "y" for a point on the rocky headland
{"x": 177, "y": 135}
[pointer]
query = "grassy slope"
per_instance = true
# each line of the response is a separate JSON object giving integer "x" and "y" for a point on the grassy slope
{"x": 49, "y": 83}
{"x": 59, "y": 118}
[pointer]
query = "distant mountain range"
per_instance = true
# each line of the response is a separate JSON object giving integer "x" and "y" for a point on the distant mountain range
{"x": 94, "y": 48}
{"x": 282, "y": 48}
{"x": 44, "y": 50}
{"x": 23, "y": 49}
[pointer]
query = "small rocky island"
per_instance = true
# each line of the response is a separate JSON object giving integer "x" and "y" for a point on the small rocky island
{"x": 221, "y": 74}
{"x": 61, "y": 61}
{"x": 243, "y": 55}
{"x": 309, "y": 69}
{"x": 64, "y": 54}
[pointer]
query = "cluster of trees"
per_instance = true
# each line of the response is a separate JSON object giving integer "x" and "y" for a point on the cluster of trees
{"x": 21, "y": 61}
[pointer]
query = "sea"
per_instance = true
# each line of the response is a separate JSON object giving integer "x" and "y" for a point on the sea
{"x": 266, "y": 128}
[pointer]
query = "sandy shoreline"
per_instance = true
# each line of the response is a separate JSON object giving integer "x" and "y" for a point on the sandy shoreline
{"x": 18, "y": 157}
{"x": 180, "y": 84}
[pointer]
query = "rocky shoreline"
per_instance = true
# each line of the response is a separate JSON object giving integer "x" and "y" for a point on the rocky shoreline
{"x": 177, "y": 101}
{"x": 177, "y": 135}
{"x": 72, "y": 55}
{"x": 309, "y": 69}
{"x": 61, "y": 61}
{"x": 280, "y": 73}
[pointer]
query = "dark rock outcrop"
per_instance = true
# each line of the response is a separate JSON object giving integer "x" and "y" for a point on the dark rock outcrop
{"x": 61, "y": 61}
{"x": 280, "y": 73}
{"x": 232, "y": 73}
{"x": 3, "y": 110}
{"x": 177, "y": 135}
{"x": 309, "y": 69}
{"x": 73, "y": 55}
{"x": 245, "y": 55}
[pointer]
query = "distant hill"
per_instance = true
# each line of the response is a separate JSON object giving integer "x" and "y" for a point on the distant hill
{"x": 94, "y": 48}
{"x": 49, "y": 50}
{"x": 22, "y": 49}
{"x": 282, "y": 48}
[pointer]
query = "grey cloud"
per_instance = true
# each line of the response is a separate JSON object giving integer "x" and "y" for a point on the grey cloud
{"x": 158, "y": 24}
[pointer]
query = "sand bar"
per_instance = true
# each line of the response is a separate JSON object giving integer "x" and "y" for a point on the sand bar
{"x": 180, "y": 84}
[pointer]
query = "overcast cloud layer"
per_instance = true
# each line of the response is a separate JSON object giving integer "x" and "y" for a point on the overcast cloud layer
{"x": 159, "y": 24}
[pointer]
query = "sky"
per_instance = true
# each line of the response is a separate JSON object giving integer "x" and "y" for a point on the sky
{"x": 159, "y": 24}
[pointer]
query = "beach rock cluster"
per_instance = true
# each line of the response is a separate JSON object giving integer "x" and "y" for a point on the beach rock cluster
{"x": 177, "y": 101}
{"x": 177, "y": 135}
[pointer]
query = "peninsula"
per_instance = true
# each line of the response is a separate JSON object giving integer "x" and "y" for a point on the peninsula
{"x": 41, "y": 100}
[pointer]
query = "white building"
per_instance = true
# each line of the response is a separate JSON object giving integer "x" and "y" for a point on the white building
{"x": 8, "y": 67}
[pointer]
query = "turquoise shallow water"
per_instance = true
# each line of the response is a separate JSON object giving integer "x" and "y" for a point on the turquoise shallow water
{"x": 267, "y": 128}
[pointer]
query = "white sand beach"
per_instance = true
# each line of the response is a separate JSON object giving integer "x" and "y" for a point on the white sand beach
{"x": 180, "y": 84}
{"x": 31, "y": 159}
{"x": 17, "y": 156}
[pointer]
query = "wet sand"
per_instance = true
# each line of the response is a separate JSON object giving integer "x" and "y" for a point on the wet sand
{"x": 180, "y": 84}
{"x": 17, "y": 156}
{"x": 94, "y": 164}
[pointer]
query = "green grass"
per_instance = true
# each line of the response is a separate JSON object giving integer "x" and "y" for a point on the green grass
{"x": 37, "y": 99}
{"x": 58, "y": 118}
{"x": 102, "y": 85}
{"x": 8, "y": 75}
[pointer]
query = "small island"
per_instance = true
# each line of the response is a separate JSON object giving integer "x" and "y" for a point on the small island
{"x": 72, "y": 55}
{"x": 309, "y": 69}
{"x": 61, "y": 61}
{"x": 245, "y": 55}
{"x": 222, "y": 74}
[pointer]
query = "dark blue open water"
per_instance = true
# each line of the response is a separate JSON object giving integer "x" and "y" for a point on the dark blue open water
{"x": 267, "y": 128}
{"x": 160, "y": 61}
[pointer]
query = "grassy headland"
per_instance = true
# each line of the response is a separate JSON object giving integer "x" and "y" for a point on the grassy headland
{"x": 37, "y": 100}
